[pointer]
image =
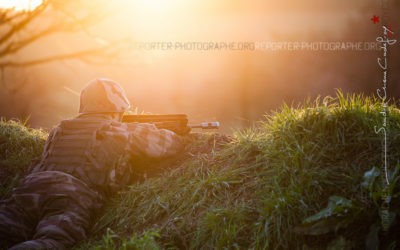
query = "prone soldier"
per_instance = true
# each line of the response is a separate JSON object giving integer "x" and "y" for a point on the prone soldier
{"x": 83, "y": 162}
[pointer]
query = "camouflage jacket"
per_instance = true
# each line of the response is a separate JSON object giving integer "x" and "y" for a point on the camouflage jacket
{"x": 95, "y": 149}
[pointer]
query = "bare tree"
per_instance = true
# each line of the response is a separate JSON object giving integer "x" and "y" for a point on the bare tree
{"x": 19, "y": 29}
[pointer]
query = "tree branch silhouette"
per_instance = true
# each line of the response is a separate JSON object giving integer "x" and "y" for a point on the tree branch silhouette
{"x": 16, "y": 31}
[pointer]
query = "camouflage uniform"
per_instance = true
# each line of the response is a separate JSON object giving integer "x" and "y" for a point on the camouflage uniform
{"x": 84, "y": 160}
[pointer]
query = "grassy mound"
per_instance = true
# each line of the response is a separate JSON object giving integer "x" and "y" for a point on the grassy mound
{"x": 305, "y": 178}
{"x": 18, "y": 146}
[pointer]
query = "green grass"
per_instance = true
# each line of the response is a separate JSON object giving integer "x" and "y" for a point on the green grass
{"x": 18, "y": 146}
{"x": 307, "y": 177}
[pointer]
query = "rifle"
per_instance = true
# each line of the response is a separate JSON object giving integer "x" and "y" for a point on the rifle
{"x": 177, "y": 123}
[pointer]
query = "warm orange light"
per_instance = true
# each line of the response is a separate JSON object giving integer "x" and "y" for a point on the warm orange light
{"x": 19, "y": 5}
{"x": 151, "y": 19}
{"x": 154, "y": 5}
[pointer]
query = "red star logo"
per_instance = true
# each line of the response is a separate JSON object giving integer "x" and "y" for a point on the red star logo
{"x": 375, "y": 19}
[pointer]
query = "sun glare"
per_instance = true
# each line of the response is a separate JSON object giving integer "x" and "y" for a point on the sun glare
{"x": 150, "y": 18}
{"x": 19, "y": 5}
{"x": 152, "y": 6}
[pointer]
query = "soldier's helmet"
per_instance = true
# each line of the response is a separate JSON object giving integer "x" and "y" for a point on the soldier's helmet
{"x": 103, "y": 95}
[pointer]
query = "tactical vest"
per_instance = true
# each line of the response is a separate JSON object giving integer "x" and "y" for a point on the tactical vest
{"x": 91, "y": 150}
